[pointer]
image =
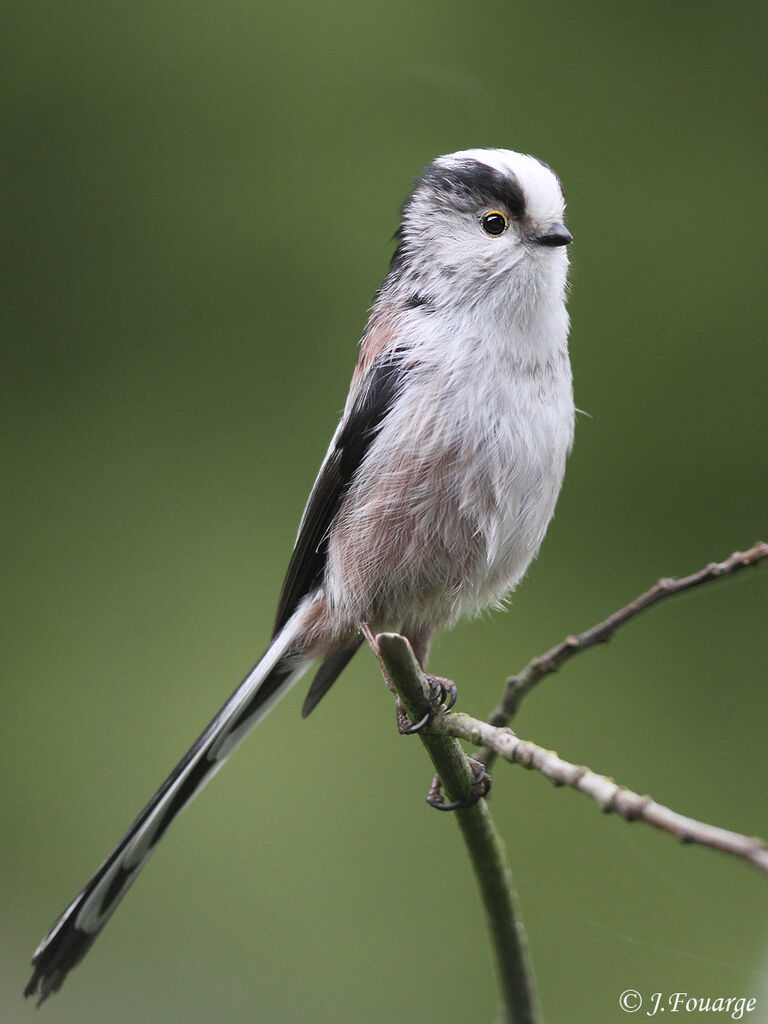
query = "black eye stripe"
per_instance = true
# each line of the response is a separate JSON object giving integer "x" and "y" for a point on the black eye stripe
{"x": 468, "y": 183}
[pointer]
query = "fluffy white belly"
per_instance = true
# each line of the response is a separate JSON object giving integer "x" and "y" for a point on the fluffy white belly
{"x": 454, "y": 497}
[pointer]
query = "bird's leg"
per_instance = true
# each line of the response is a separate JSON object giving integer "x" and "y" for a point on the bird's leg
{"x": 370, "y": 637}
{"x": 480, "y": 788}
{"x": 444, "y": 690}
{"x": 404, "y": 724}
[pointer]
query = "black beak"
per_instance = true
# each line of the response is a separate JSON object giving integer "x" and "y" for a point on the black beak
{"x": 557, "y": 234}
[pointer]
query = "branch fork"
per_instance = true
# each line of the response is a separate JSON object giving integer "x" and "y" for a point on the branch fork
{"x": 444, "y": 728}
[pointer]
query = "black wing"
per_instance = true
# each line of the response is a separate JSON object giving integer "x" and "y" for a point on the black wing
{"x": 377, "y": 392}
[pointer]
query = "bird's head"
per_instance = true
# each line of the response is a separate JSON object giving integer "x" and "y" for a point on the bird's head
{"x": 482, "y": 217}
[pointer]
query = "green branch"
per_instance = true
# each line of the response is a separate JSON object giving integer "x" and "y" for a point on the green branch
{"x": 485, "y": 846}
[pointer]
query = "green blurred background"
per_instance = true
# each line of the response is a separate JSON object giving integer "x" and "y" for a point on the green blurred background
{"x": 197, "y": 206}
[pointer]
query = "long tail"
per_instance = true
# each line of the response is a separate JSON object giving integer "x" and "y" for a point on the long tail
{"x": 75, "y": 931}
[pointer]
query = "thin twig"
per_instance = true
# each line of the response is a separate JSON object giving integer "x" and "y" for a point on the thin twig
{"x": 521, "y": 684}
{"x": 611, "y": 797}
{"x": 485, "y": 846}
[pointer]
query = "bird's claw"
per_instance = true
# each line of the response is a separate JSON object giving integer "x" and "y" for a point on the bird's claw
{"x": 480, "y": 787}
{"x": 443, "y": 694}
{"x": 444, "y": 691}
{"x": 405, "y": 726}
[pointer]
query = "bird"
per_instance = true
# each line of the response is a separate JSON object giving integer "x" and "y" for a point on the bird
{"x": 437, "y": 487}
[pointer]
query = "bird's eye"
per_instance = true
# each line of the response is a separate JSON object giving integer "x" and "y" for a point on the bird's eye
{"x": 494, "y": 223}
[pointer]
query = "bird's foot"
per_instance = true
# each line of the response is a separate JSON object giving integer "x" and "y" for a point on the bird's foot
{"x": 404, "y": 725}
{"x": 480, "y": 787}
{"x": 443, "y": 694}
{"x": 444, "y": 691}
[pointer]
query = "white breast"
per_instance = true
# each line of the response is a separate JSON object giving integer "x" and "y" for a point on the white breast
{"x": 455, "y": 495}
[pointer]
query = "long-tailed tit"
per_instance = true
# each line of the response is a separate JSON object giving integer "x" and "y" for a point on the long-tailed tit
{"x": 438, "y": 485}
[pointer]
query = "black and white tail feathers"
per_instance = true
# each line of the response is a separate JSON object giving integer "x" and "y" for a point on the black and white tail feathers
{"x": 75, "y": 931}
